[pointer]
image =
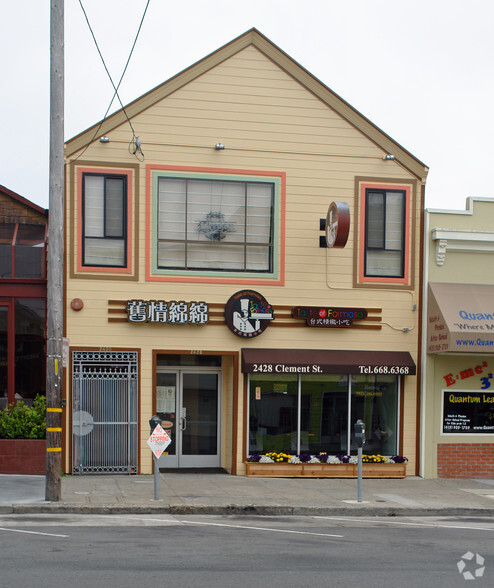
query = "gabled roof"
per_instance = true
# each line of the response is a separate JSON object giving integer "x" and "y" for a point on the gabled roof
{"x": 22, "y": 200}
{"x": 254, "y": 38}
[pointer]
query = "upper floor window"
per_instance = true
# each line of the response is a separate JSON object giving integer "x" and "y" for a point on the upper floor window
{"x": 22, "y": 251}
{"x": 104, "y": 219}
{"x": 215, "y": 225}
{"x": 384, "y": 233}
{"x": 385, "y": 240}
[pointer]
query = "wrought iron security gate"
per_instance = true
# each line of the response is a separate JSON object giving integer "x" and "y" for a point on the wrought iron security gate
{"x": 104, "y": 412}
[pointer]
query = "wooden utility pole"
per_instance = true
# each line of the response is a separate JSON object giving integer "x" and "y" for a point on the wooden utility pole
{"x": 55, "y": 258}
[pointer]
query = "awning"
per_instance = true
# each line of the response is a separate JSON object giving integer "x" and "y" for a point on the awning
{"x": 460, "y": 317}
{"x": 325, "y": 361}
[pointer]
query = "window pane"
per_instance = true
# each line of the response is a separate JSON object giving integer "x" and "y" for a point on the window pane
{"x": 30, "y": 251}
{"x": 215, "y": 256}
{"x": 258, "y": 259}
{"x": 394, "y": 220}
{"x": 273, "y": 414}
{"x": 171, "y": 255}
{"x": 171, "y": 208}
{"x": 375, "y": 401}
{"x": 216, "y": 211}
{"x": 30, "y": 355}
{"x": 114, "y": 207}
{"x": 375, "y": 220}
{"x": 259, "y": 213}
{"x": 384, "y": 263}
{"x": 94, "y": 206}
{"x": 6, "y": 236}
{"x": 324, "y": 418}
{"x": 106, "y": 252}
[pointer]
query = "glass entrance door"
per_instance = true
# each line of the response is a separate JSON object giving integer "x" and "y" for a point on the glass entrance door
{"x": 188, "y": 403}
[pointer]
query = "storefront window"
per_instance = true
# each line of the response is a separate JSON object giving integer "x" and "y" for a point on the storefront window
{"x": 29, "y": 348}
{"x": 3, "y": 356}
{"x": 313, "y": 410}
{"x": 324, "y": 414}
{"x": 375, "y": 401}
{"x": 273, "y": 413}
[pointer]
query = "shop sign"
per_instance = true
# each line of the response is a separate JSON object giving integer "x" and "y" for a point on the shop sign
{"x": 451, "y": 378}
{"x": 248, "y": 313}
{"x": 171, "y": 312}
{"x": 468, "y": 412}
{"x": 318, "y": 316}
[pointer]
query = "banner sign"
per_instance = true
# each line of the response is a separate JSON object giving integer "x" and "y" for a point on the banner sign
{"x": 317, "y": 316}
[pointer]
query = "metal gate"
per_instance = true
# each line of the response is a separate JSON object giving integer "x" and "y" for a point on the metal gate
{"x": 104, "y": 412}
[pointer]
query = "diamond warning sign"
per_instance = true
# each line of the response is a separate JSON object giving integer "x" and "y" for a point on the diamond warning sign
{"x": 159, "y": 441}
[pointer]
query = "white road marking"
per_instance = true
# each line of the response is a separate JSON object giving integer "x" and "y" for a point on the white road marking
{"x": 393, "y": 522}
{"x": 32, "y": 532}
{"x": 261, "y": 529}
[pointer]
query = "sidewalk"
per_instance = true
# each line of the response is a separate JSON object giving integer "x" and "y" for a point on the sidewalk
{"x": 202, "y": 493}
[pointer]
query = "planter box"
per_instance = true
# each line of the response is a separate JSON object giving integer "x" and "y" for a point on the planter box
{"x": 23, "y": 456}
{"x": 322, "y": 470}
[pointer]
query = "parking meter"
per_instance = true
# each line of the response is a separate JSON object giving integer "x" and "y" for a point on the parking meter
{"x": 360, "y": 433}
{"x": 154, "y": 421}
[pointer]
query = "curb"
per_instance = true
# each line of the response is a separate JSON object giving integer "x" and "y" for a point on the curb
{"x": 244, "y": 510}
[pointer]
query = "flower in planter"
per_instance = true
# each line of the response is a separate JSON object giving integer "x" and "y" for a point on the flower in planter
{"x": 333, "y": 459}
{"x": 294, "y": 459}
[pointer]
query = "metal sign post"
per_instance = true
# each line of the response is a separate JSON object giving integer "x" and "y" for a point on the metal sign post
{"x": 158, "y": 442}
{"x": 359, "y": 440}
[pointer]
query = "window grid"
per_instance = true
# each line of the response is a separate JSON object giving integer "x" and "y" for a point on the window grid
{"x": 384, "y": 233}
{"x": 246, "y": 244}
{"x": 104, "y": 222}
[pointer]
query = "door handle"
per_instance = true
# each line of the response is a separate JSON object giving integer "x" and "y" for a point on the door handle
{"x": 183, "y": 423}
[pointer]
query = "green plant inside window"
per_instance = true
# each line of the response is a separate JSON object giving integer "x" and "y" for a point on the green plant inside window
{"x": 18, "y": 421}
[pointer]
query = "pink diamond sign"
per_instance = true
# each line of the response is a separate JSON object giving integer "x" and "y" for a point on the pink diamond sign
{"x": 159, "y": 441}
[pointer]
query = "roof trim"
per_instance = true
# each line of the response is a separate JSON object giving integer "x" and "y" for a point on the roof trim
{"x": 284, "y": 61}
{"x": 23, "y": 200}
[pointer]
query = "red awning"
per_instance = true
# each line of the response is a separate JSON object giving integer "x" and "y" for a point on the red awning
{"x": 325, "y": 361}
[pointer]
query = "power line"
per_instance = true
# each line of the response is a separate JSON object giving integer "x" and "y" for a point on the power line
{"x": 116, "y": 94}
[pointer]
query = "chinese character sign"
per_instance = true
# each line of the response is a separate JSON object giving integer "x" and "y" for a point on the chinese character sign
{"x": 172, "y": 312}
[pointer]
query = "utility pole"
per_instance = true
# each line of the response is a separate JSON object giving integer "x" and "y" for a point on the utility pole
{"x": 55, "y": 258}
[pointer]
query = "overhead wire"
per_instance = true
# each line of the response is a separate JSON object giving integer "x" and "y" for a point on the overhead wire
{"x": 135, "y": 140}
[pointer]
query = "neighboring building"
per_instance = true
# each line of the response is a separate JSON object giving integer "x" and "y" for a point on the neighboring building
{"x": 23, "y": 233}
{"x": 197, "y": 287}
{"x": 458, "y": 347}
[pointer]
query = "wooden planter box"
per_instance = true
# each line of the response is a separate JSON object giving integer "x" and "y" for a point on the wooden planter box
{"x": 23, "y": 456}
{"x": 322, "y": 470}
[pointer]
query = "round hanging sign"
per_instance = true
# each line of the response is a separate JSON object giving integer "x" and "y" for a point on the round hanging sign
{"x": 248, "y": 313}
{"x": 337, "y": 224}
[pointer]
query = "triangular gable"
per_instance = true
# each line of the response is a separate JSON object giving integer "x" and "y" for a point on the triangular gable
{"x": 15, "y": 208}
{"x": 253, "y": 38}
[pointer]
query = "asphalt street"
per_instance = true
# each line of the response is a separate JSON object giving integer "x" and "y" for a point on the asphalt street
{"x": 225, "y": 551}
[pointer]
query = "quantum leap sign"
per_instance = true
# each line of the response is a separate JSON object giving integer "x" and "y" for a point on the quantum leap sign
{"x": 332, "y": 317}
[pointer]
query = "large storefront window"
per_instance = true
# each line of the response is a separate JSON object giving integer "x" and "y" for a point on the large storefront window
{"x": 22, "y": 349}
{"x": 316, "y": 413}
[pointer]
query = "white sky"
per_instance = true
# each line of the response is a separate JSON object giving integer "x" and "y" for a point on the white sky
{"x": 421, "y": 70}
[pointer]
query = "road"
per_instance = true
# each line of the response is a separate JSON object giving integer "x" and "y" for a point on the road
{"x": 86, "y": 551}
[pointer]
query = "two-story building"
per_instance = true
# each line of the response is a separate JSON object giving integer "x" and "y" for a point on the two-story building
{"x": 458, "y": 349}
{"x": 243, "y": 258}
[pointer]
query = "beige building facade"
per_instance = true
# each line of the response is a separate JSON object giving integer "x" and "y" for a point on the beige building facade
{"x": 458, "y": 349}
{"x": 243, "y": 259}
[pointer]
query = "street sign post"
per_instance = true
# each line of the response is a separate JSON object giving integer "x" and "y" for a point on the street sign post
{"x": 158, "y": 442}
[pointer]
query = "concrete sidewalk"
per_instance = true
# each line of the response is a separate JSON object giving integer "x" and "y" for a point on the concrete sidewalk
{"x": 207, "y": 493}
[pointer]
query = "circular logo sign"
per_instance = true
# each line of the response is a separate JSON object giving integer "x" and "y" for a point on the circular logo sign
{"x": 248, "y": 313}
{"x": 337, "y": 224}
